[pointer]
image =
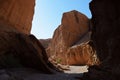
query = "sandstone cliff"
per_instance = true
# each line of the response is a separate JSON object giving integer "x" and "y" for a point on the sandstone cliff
{"x": 18, "y": 49}
{"x": 105, "y": 37}
{"x": 17, "y": 13}
{"x": 74, "y": 30}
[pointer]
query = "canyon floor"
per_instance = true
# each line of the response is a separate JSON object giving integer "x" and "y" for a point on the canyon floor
{"x": 74, "y": 73}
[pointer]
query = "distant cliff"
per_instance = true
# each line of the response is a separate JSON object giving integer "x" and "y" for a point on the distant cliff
{"x": 68, "y": 37}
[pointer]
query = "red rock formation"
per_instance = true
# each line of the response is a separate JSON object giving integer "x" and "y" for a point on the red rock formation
{"x": 72, "y": 31}
{"x": 17, "y": 48}
{"x": 106, "y": 39}
{"x": 18, "y": 13}
{"x": 82, "y": 54}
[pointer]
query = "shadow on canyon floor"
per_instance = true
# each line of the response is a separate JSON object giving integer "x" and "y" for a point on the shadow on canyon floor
{"x": 30, "y": 74}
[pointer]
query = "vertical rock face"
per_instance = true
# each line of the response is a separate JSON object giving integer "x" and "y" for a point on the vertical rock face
{"x": 17, "y": 47}
{"x": 73, "y": 26}
{"x": 18, "y": 13}
{"x": 106, "y": 39}
{"x": 73, "y": 30}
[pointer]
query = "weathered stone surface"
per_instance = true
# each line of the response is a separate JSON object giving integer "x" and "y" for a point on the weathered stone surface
{"x": 73, "y": 30}
{"x": 18, "y": 49}
{"x": 17, "y": 13}
{"x": 21, "y": 50}
{"x": 82, "y": 54}
{"x": 106, "y": 37}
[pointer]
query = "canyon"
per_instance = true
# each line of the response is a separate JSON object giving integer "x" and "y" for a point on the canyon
{"x": 19, "y": 49}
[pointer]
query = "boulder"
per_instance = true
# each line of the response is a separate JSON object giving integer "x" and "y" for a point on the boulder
{"x": 17, "y": 13}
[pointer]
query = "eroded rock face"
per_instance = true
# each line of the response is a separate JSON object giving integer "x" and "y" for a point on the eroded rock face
{"x": 17, "y": 13}
{"x": 18, "y": 49}
{"x": 106, "y": 37}
{"x": 21, "y": 50}
{"x": 82, "y": 54}
{"x": 73, "y": 30}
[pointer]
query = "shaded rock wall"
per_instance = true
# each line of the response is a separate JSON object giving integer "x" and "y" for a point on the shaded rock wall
{"x": 18, "y": 13}
{"x": 20, "y": 50}
{"x": 106, "y": 37}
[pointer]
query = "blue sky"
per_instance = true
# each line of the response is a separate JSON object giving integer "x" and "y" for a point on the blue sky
{"x": 48, "y": 14}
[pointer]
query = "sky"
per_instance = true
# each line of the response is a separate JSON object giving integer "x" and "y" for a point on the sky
{"x": 48, "y": 15}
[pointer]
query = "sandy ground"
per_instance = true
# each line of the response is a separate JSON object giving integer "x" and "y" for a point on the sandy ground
{"x": 76, "y": 69}
{"x": 28, "y": 74}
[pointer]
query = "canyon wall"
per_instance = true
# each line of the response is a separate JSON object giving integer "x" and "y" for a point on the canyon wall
{"x": 106, "y": 38}
{"x": 66, "y": 42}
{"x": 19, "y": 49}
{"x": 18, "y": 14}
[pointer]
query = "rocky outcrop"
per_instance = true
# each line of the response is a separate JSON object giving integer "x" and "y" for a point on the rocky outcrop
{"x": 45, "y": 42}
{"x": 21, "y": 50}
{"x": 17, "y": 13}
{"x": 82, "y": 54}
{"x": 74, "y": 30}
{"x": 105, "y": 37}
